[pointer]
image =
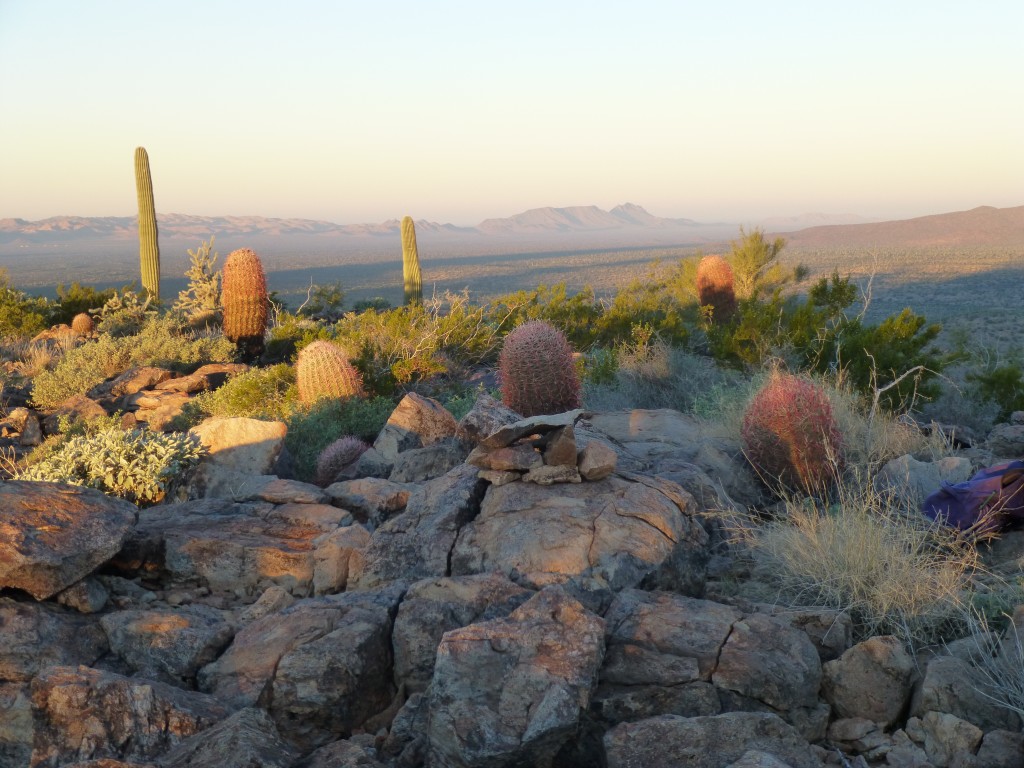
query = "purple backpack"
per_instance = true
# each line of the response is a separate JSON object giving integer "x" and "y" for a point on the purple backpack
{"x": 995, "y": 495}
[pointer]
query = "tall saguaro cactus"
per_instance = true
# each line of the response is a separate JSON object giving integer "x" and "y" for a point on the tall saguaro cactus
{"x": 149, "y": 248}
{"x": 411, "y": 263}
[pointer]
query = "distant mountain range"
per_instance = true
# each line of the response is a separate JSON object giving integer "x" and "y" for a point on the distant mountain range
{"x": 985, "y": 226}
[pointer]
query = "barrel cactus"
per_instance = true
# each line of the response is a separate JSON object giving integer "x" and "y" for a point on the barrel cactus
{"x": 790, "y": 434}
{"x": 715, "y": 287}
{"x": 537, "y": 371}
{"x": 244, "y": 296}
{"x": 149, "y": 248}
{"x": 82, "y": 324}
{"x": 336, "y": 456}
{"x": 322, "y": 370}
{"x": 411, "y": 263}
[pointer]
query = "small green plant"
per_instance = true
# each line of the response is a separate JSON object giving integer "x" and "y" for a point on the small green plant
{"x": 124, "y": 313}
{"x": 200, "y": 303}
{"x": 21, "y": 316}
{"x": 790, "y": 435}
{"x": 313, "y": 428}
{"x": 77, "y": 299}
{"x": 259, "y": 393}
{"x": 138, "y": 465}
{"x": 537, "y": 371}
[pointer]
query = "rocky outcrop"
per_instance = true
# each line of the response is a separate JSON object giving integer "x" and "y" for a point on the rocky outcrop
{"x": 52, "y": 535}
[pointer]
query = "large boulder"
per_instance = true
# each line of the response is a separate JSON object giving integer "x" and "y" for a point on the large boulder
{"x": 873, "y": 680}
{"x": 174, "y": 643}
{"x": 910, "y": 481}
{"x": 624, "y": 531}
{"x": 81, "y": 713}
{"x": 322, "y": 666}
{"x": 37, "y": 636}
{"x": 247, "y": 738}
{"x": 239, "y": 450}
{"x": 371, "y": 500}
{"x": 434, "y": 606}
{"x": 417, "y": 544}
{"x": 510, "y": 692}
{"x": 241, "y": 548}
{"x": 416, "y": 422}
{"x": 670, "y": 741}
{"x": 52, "y": 535}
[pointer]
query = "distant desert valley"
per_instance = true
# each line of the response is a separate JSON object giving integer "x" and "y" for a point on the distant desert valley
{"x": 958, "y": 265}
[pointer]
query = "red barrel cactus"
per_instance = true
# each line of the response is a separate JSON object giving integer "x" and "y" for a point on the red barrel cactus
{"x": 790, "y": 434}
{"x": 537, "y": 371}
{"x": 244, "y": 296}
{"x": 323, "y": 370}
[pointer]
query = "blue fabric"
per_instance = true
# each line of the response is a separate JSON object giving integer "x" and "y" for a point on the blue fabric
{"x": 999, "y": 488}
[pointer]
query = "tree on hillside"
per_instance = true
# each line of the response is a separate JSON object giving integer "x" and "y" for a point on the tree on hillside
{"x": 755, "y": 266}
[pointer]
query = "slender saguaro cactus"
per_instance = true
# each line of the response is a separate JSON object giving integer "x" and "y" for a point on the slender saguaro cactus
{"x": 149, "y": 248}
{"x": 411, "y": 263}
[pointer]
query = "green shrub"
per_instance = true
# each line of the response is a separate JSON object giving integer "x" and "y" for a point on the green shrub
{"x": 124, "y": 314}
{"x": 1003, "y": 385}
{"x": 161, "y": 343}
{"x": 21, "y": 315}
{"x": 312, "y": 429}
{"x": 259, "y": 393}
{"x": 76, "y": 300}
{"x": 200, "y": 304}
{"x": 138, "y": 465}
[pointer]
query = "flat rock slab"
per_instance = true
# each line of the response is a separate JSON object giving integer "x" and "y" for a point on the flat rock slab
{"x": 52, "y": 535}
{"x": 619, "y": 532}
{"x": 532, "y": 425}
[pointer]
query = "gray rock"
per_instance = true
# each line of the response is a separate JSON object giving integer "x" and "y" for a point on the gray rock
{"x": 16, "y": 732}
{"x": 509, "y": 458}
{"x": 485, "y": 418}
{"x": 948, "y": 738}
{"x": 705, "y": 742}
{"x": 954, "y": 686}
{"x": 416, "y": 422}
{"x": 872, "y": 680}
{"x": 85, "y": 596}
{"x": 246, "y": 739}
{"x": 371, "y": 500}
{"x": 619, "y": 532}
{"x": 1002, "y": 749}
{"x": 1006, "y": 440}
{"x": 532, "y": 425}
{"x": 340, "y": 754}
{"x": 52, "y": 535}
{"x": 239, "y": 448}
{"x": 597, "y": 461}
{"x": 337, "y": 555}
{"x": 170, "y": 642}
{"x": 37, "y": 636}
{"x": 910, "y": 481}
{"x": 82, "y": 713}
{"x": 510, "y": 692}
{"x": 434, "y": 606}
{"x": 420, "y": 464}
{"x": 552, "y": 475}
{"x": 416, "y": 544}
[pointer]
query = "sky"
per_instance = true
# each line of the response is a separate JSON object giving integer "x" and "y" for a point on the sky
{"x": 358, "y": 111}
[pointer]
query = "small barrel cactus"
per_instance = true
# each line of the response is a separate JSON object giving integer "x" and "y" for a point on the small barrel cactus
{"x": 82, "y": 324}
{"x": 336, "y": 456}
{"x": 244, "y": 296}
{"x": 790, "y": 435}
{"x": 715, "y": 287}
{"x": 323, "y": 370}
{"x": 537, "y": 371}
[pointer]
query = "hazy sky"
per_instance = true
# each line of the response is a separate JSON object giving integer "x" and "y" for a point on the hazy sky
{"x": 364, "y": 110}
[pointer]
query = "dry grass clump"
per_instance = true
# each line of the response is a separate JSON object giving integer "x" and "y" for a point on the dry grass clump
{"x": 894, "y": 573}
{"x": 999, "y": 662}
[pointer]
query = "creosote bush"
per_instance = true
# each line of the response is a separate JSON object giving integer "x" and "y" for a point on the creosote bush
{"x": 138, "y": 465}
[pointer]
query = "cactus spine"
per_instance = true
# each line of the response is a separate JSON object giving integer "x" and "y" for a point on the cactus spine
{"x": 790, "y": 435}
{"x": 244, "y": 296}
{"x": 537, "y": 371}
{"x": 322, "y": 370}
{"x": 411, "y": 263}
{"x": 149, "y": 248}
{"x": 715, "y": 287}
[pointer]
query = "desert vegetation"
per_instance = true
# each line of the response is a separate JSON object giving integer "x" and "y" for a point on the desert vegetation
{"x": 818, "y": 393}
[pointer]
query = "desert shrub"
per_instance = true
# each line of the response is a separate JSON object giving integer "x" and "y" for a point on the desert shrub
{"x": 124, "y": 314}
{"x": 1003, "y": 385}
{"x": 78, "y": 299}
{"x": 313, "y": 428}
{"x": 289, "y": 333}
{"x": 259, "y": 393}
{"x": 323, "y": 302}
{"x": 200, "y": 303}
{"x": 21, "y": 315}
{"x": 335, "y": 457}
{"x": 160, "y": 342}
{"x": 894, "y": 574}
{"x": 575, "y": 316}
{"x": 790, "y": 435}
{"x": 648, "y": 303}
{"x": 138, "y": 465}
